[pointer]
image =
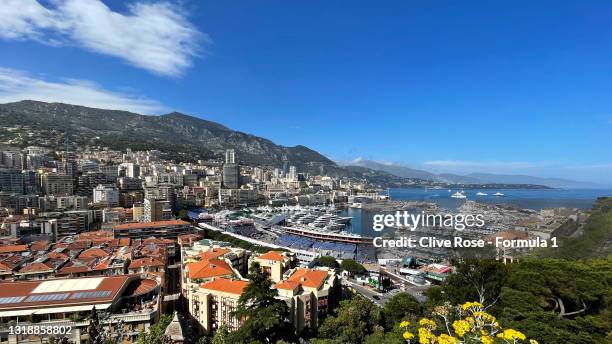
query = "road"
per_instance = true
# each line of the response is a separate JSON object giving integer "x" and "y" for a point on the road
{"x": 382, "y": 298}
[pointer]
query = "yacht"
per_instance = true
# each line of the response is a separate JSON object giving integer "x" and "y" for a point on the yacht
{"x": 306, "y": 219}
{"x": 356, "y": 205}
{"x": 459, "y": 194}
{"x": 481, "y": 194}
{"x": 334, "y": 227}
{"x": 498, "y": 194}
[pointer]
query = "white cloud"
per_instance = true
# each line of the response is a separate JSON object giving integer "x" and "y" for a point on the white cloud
{"x": 154, "y": 36}
{"x": 17, "y": 85}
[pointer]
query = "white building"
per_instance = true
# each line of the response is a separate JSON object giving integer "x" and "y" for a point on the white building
{"x": 106, "y": 194}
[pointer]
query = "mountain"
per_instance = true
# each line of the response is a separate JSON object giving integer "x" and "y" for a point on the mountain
{"x": 177, "y": 135}
{"x": 472, "y": 178}
{"x": 397, "y": 170}
{"x": 523, "y": 179}
{"x": 407, "y": 172}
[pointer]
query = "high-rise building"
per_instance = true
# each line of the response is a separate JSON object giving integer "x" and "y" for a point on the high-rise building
{"x": 132, "y": 170}
{"x": 230, "y": 156}
{"x": 292, "y": 173}
{"x": 30, "y": 183}
{"x": 11, "y": 158}
{"x": 110, "y": 171}
{"x": 156, "y": 209}
{"x": 56, "y": 184}
{"x": 11, "y": 181}
{"x": 88, "y": 181}
{"x": 231, "y": 171}
{"x": 106, "y": 194}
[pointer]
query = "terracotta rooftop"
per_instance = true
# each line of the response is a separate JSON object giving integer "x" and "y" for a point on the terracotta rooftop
{"x": 93, "y": 252}
{"x": 154, "y": 224}
{"x": 209, "y": 268}
{"x": 149, "y": 261}
{"x": 13, "y": 249}
{"x": 214, "y": 253}
{"x": 140, "y": 287}
{"x": 308, "y": 277}
{"x": 63, "y": 292}
{"x": 226, "y": 285}
{"x": 273, "y": 255}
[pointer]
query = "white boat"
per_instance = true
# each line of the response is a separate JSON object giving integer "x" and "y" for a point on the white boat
{"x": 498, "y": 194}
{"x": 481, "y": 194}
{"x": 356, "y": 205}
{"x": 459, "y": 194}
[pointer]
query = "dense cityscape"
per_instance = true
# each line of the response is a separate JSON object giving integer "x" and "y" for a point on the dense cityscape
{"x": 314, "y": 172}
{"x": 140, "y": 238}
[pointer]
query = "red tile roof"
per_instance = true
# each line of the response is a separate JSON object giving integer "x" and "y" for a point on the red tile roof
{"x": 154, "y": 224}
{"x": 138, "y": 263}
{"x": 226, "y": 285}
{"x": 13, "y": 249}
{"x": 308, "y": 277}
{"x": 273, "y": 255}
{"x": 93, "y": 252}
{"x": 114, "y": 284}
{"x": 35, "y": 267}
{"x": 214, "y": 253}
{"x": 209, "y": 268}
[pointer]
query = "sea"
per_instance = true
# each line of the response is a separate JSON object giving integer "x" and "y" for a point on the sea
{"x": 535, "y": 199}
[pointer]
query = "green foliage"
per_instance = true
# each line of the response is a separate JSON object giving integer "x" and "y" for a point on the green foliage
{"x": 266, "y": 317}
{"x": 352, "y": 267}
{"x": 581, "y": 286}
{"x": 95, "y": 330}
{"x": 222, "y": 336}
{"x": 402, "y": 306}
{"x": 327, "y": 261}
{"x": 156, "y": 332}
{"x": 480, "y": 280}
{"x": 596, "y": 237}
{"x": 354, "y": 320}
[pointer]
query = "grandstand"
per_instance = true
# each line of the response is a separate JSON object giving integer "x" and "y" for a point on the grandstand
{"x": 326, "y": 248}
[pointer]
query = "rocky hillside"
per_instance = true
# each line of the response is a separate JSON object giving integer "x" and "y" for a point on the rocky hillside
{"x": 181, "y": 136}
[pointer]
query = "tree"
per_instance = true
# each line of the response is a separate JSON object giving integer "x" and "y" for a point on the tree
{"x": 327, "y": 261}
{"x": 95, "y": 331}
{"x": 354, "y": 320}
{"x": 265, "y": 317}
{"x": 402, "y": 306}
{"x": 352, "y": 267}
{"x": 221, "y": 336}
{"x": 156, "y": 332}
{"x": 480, "y": 280}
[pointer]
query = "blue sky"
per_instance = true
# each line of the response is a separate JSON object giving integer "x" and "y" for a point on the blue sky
{"x": 516, "y": 87}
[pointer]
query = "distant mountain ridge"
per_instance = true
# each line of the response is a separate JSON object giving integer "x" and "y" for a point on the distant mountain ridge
{"x": 183, "y": 135}
{"x": 472, "y": 178}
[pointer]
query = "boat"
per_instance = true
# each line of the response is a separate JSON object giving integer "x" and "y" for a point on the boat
{"x": 498, "y": 194}
{"x": 459, "y": 194}
{"x": 481, "y": 194}
{"x": 356, "y": 205}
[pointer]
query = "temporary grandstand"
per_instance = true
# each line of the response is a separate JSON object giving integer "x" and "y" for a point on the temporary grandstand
{"x": 326, "y": 248}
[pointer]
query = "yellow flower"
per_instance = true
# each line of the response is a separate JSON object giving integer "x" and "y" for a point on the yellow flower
{"x": 461, "y": 327}
{"x": 430, "y": 324}
{"x": 486, "y": 340}
{"x": 446, "y": 339}
{"x": 533, "y": 341}
{"x": 407, "y": 335}
{"x": 469, "y": 305}
{"x": 425, "y": 336}
{"x": 404, "y": 324}
{"x": 511, "y": 334}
